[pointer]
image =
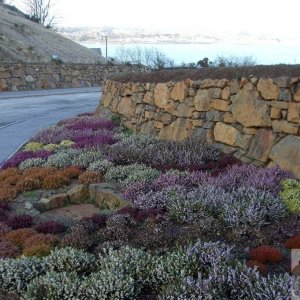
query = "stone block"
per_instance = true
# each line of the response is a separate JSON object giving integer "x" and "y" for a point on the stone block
{"x": 286, "y": 154}
{"x": 220, "y": 104}
{"x": 126, "y": 107}
{"x": 59, "y": 200}
{"x": 202, "y": 100}
{"x": 285, "y": 126}
{"x": 294, "y": 112}
{"x": 226, "y": 134}
{"x": 261, "y": 145}
{"x": 78, "y": 194}
{"x": 179, "y": 91}
{"x": 161, "y": 95}
{"x": 268, "y": 89}
{"x": 275, "y": 113}
{"x": 226, "y": 93}
{"x": 282, "y": 82}
{"x": 149, "y": 98}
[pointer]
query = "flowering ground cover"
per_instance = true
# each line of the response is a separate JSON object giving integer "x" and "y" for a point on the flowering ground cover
{"x": 199, "y": 224}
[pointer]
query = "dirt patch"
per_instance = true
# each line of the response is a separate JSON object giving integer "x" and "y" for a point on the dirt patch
{"x": 272, "y": 71}
{"x": 70, "y": 214}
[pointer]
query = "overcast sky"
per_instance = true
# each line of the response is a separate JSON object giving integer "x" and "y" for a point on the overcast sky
{"x": 255, "y": 16}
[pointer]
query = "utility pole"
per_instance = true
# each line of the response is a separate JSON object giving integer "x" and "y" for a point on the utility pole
{"x": 105, "y": 36}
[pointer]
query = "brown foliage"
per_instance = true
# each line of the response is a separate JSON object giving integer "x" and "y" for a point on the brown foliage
{"x": 90, "y": 177}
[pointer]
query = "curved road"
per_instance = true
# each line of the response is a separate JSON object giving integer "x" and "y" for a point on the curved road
{"x": 22, "y": 114}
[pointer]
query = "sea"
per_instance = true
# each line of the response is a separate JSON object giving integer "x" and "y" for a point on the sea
{"x": 264, "y": 54}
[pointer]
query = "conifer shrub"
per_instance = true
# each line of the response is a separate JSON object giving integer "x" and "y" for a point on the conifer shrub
{"x": 55, "y": 181}
{"x": 291, "y": 195}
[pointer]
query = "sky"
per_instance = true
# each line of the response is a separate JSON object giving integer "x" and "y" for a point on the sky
{"x": 276, "y": 18}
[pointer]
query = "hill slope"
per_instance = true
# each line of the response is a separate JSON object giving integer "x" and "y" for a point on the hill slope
{"x": 25, "y": 41}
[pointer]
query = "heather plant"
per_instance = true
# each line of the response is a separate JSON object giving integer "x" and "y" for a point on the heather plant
{"x": 7, "y": 193}
{"x": 55, "y": 181}
{"x": 51, "y": 146}
{"x": 20, "y": 221}
{"x": 53, "y": 285}
{"x": 127, "y": 175}
{"x": 293, "y": 243}
{"x": 18, "y": 236}
{"x": 15, "y": 274}
{"x": 31, "y": 163}
{"x": 66, "y": 143}
{"x": 251, "y": 176}
{"x": 77, "y": 238}
{"x": 70, "y": 260}
{"x": 53, "y": 135}
{"x": 9, "y": 250}
{"x": 89, "y": 177}
{"x": 72, "y": 172}
{"x": 94, "y": 124}
{"x": 19, "y": 157}
{"x": 86, "y": 158}
{"x": 101, "y": 166}
{"x": 28, "y": 184}
{"x": 95, "y": 139}
{"x": 265, "y": 253}
{"x": 50, "y": 227}
{"x": 33, "y": 146}
{"x": 4, "y": 228}
{"x": 38, "y": 250}
{"x": 291, "y": 195}
{"x": 62, "y": 158}
{"x": 4, "y": 174}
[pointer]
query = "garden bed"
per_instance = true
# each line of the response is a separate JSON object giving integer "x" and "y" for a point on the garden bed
{"x": 197, "y": 224}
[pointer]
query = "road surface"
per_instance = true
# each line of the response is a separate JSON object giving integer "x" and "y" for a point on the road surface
{"x": 22, "y": 114}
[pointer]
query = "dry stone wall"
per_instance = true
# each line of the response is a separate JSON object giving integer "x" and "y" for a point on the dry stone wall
{"x": 19, "y": 76}
{"x": 256, "y": 119}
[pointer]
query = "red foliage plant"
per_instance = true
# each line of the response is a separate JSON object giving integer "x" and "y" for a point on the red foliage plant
{"x": 293, "y": 243}
{"x": 7, "y": 193}
{"x": 50, "y": 227}
{"x": 55, "y": 181}
{"x": 28, "y": 184}
{"x": 259, "y": 265}
{"x": 8, "y": 172}
{"x": 265, "y": 254}
{"x": 20, "y": 221}
{"x": 72, "y": 172}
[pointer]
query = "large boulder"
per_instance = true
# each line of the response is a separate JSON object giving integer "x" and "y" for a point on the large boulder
{"x": 248, "y": 110}
{"x": 105, "y": 196}
{"x": 286, "y": 154}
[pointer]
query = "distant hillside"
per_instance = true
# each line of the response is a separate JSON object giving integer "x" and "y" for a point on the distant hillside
{"x": 25, "y": 41}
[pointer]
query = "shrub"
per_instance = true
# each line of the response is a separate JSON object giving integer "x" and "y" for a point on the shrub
{"x": 62, "y": 158}
{"x": 9, "y": 250}
{"x": 4, "y": 229}
{"x": 7, "y": 193}
{"x": 291, "y": 195}
{"x": 293, "y": 243}
{"x": 130, "y": 174}
{"x": 77, "y": 238}
{"x": 72, "y": 172}
{"x": 97, "y": 219}
{"x": 4, "y": 174}
{"x": 70, "y": 260}
{"x": 40, "y": 238}
{"x": 66, "y": 143}
{"x": 20, "y": 221}
{"x": 51, "y": 147}
{"x": 101, "y": 166}
{"x": 39, "y": 250}
{"x": 50, "y": 227}
{"x": 33, "y": 146}
{"x": 32, "y": 162}
{"x": 19, "y": 236}
{"x": 84, "y": 159}
{"x": 89, "y": 123}
{"x": 94, "y": 140}
{"x": 55, "y": 181}
{"x": 88, "y": 177}
{"x": 15, "y": 274}
{"x": 257, "y": 264}
{"x": 19, "y": 157}
{"x": 12, "y": 180}
{"x": 265, "y": 253}
{"x": 53, "y": 285}
{"x": 28, "y": 184}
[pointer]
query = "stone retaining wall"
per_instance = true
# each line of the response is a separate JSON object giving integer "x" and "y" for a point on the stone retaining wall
{"x": 257, "y": 119}
{"x": 20, "y": 76}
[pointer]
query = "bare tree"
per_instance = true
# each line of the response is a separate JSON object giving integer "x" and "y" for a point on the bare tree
{"x": 39, "y": 11}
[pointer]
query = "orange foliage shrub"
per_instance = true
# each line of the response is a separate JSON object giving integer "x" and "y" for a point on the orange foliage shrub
{"x": 39, "y": 173}
{"x": 13, "y": 180}
{"x": 266, "y": 253}
{"x": 40, "y": 238}
{"x": 55, "y": 181}
{"x": 38, "y": 250}
{"x": 28, "y": 184}
{"x": 90, "y": 177}
{"x": 19, "y": 236}
{"x": 259, "y": 265}
{"x": 8, "y": 172}
{"x": 7, "y": 192}
{"x": 72, "y": 172}
{"x": 293, "y": 243}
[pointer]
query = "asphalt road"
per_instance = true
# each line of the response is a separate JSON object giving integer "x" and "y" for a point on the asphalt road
{"x": 22, "y": 114}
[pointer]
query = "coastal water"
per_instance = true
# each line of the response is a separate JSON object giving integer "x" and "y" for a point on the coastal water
{"x": 263, "y": 54}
